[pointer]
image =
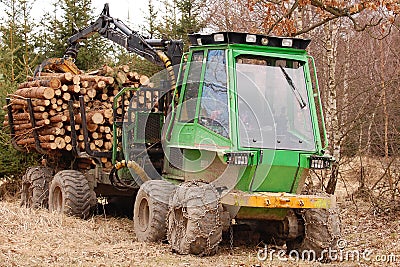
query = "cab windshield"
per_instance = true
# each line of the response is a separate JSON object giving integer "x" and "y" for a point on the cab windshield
{"x": 273, "y": 107}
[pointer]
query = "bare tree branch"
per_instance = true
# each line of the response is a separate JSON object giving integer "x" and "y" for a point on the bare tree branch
{"x": 287, "y": 15}
{"x": 322, "y": 22}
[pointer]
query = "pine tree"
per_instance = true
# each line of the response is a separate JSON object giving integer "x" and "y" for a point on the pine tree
{"x": 16, "y": 62}
{"x": 17, "y": 58}
{"x": 168, "y": 26}
{"x": 151, "y": 20}
{"x": 190, "y": 20}
{"x": 57, "y": 29}
{"x": 182, "y": 17}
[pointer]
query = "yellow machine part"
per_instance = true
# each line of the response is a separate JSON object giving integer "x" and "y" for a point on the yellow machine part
{"x": 168, "y": 66}
{"x": 278, "y": 200}
{"x": 60, "y": 65}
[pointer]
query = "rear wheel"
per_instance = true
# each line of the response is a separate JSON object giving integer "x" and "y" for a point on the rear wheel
{"x": 35, "y": 187}
{"x": 321, "y": 233}
{"x": 194, "y": 221}
{"x": 70, "y": 194}
{"x": 150, "y": 210}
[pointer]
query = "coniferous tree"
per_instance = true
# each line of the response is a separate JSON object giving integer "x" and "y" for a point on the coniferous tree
{"x": 17, "y": 59}
{"x": 190, "y": 19}
{"x": 182, "y": 17}
{"x": 151, "y": 20}
{"x": 67, "y": 17}
{"x": 167, "y": 28}
{"x": 17, "y": 49}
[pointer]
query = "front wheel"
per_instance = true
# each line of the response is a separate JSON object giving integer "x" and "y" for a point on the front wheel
{"x": 70, "y": 194}
{"x": 194, "y": 219}
{"x": 150, "y": 210}
{"x": 321, "y": 233}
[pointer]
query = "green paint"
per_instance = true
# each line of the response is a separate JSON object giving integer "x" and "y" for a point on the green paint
{"x": 280, "y": 170}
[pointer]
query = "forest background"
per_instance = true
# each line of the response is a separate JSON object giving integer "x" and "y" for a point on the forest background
{"x": 355, "y": 45}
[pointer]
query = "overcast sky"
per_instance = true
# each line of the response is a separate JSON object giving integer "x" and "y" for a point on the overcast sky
{"x": 130, "y": 11}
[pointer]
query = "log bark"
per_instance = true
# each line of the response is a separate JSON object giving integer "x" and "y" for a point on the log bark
{"x": 58, "y": 118}
{"x": 36, "y": 92}
{"x": 26, "y": 117}
{"x": 28, "y": 125}
{"x": 52, "y": 131}
{"x": 95, "y": 78}
{"x": 92, "y": 127}
{"x": 54, "y": 83}
{"x": 31, "y": 140}
{"x": 63, "y": 77}
{"x": 49, "y": 146}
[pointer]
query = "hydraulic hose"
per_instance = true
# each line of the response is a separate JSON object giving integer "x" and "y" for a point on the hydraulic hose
{"x": 170, "y": 69}
{"x": 135, "y": 167}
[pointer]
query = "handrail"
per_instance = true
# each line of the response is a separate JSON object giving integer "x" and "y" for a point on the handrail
{"x": 326, "y": 142}
{"x": 115, "y": 106}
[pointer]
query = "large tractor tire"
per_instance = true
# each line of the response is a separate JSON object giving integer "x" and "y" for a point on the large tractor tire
{"x": 194, "y": 221}
{"x": 321, "y": 232}
{"x": 70, "y": 194}
{"x": 150, "y": 210}
{"x": 35, "y": 187}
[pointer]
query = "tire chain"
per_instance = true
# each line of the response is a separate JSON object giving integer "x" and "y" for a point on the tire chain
{"x": 215, "y": 210}
{"x": 328, "y": 225}
{"x": 231, "y": 238}
{"x": 29, "y": 185}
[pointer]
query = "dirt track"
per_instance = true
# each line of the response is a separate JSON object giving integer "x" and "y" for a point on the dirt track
{"x": 37, "y": 238}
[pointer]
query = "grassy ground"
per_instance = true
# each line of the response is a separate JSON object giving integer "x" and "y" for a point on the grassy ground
{"x": 37, "y": 238}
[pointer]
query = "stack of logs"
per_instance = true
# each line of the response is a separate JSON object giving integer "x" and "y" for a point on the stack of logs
{"x": 50, "y": 94}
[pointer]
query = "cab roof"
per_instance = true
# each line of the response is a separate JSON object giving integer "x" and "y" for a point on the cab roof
{"x": 199, "y": 39}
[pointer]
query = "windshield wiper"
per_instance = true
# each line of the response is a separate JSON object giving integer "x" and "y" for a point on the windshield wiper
{"x": 296, "y": 93}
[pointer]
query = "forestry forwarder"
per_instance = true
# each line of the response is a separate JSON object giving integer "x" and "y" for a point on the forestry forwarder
{"x": 230, "y": 147}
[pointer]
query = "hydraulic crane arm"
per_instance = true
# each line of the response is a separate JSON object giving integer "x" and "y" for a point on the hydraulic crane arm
{"x": 115, "y": 30}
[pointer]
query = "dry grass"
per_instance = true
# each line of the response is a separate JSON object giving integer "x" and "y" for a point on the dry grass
{"x": 35, "y": 237}
{"x": 38, "y": 238}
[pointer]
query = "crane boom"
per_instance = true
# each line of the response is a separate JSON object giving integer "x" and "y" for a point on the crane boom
{"x": 118, "y": 32}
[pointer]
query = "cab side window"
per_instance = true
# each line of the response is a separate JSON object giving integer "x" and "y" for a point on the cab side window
{"x": 188, "y": 109}
{"x": 214, "y": 110}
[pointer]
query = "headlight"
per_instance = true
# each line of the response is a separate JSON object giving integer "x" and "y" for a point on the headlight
{"x": 317, "y": 162}
{"x": 219, "y": 37}
{"x": 251, "y": 38}
{"x": 238, "y": 158}
{"x": 287, "y": 42}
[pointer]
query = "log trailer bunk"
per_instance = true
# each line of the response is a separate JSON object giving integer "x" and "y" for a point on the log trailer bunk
{"x": 230, "y": 144}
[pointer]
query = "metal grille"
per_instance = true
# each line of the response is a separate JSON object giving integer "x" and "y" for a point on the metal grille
{"x": 152, "y": 130}
{"x": 176, "y": 158}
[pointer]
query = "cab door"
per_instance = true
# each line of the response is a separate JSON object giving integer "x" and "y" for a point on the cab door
{"x": 201, "y": 125}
